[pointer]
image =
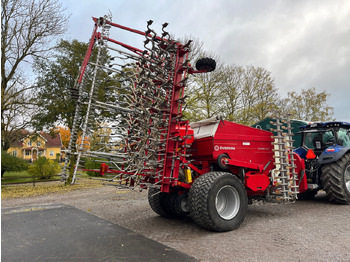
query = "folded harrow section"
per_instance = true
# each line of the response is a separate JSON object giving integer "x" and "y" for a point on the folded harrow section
{"x": 284, "y": 178}
{"x": 141, "y": 144}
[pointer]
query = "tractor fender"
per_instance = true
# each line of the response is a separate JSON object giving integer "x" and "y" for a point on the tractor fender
{"x": 332, "y": 154}
{"x": 300, "y": 170}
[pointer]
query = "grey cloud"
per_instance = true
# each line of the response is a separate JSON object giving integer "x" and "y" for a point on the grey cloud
{"x": 303, "y": 43}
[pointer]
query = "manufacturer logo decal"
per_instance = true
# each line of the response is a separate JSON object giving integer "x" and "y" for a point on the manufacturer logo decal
{"x": 217, "y": 148}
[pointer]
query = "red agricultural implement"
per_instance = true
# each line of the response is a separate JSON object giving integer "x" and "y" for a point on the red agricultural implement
{"x": 209, "y": 170}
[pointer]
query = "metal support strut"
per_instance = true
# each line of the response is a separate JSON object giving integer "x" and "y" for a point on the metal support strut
{"x": 139, "y": 118}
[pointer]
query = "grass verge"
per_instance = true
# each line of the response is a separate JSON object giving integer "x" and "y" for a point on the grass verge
{"x": 28, "y": 190}
{"x": 12, "y": 177}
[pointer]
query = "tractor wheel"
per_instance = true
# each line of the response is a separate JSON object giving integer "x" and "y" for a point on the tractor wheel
{"x": 218, "y": 201}
{"x": 336, "y": 180}
{"x": 208, "y": 64}
{"x": 158, "y": 201}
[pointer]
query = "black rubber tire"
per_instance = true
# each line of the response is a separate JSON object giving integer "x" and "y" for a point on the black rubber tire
{"x": 181, "y": 205}
{"x": 202, "y": 201}
{"x": 169, "y": 205}
{"x": 206, "y": 63}
{"x": 219, "y": 160}
{"x": 158, "y": 201}
{"x": 333, "y": 180}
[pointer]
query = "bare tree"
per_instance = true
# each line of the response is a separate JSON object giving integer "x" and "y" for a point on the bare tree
{"x": 203, "y": 91}
{"x": 28, "y": 28}
{"x": 232, "y": 79}
{"x": 196, "y": 47}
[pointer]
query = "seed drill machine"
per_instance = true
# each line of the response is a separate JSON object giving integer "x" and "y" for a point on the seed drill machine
{"x": 209, "y": 170}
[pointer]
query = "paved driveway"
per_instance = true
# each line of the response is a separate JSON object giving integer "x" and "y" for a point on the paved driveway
{"x": 65, "y": 233}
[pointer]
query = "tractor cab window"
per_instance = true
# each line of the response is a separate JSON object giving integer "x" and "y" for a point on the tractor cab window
{"x": 344, "y": 137}
{"x": 318, "y": 140}
{"x": 308, "y": 140}
{"x": 328, "y": 138}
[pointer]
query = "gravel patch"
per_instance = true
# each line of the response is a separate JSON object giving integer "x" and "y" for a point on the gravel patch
{"x": 304, "y": 231}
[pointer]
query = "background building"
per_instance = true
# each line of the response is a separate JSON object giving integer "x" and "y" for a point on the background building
{"x": 31, "y": 146}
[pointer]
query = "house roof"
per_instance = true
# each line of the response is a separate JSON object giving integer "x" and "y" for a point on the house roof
{"x": 17, "y": 143}
{"x": 20, "y": 135}
{"x": 51, "y": 140}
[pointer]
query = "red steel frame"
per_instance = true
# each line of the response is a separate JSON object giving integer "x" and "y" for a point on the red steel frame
{"x": 175, "y": 150}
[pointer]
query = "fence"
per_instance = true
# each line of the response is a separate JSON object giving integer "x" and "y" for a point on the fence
{"x": 26, "y": 180}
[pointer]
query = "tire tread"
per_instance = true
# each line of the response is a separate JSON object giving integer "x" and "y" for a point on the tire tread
{"x": 198, "y": 199}
{"x": 333, "y": 181}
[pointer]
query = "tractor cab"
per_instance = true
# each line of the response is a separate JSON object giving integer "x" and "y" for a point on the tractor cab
{"x": 325, "y": 147}
{"x": 323, "y": 138}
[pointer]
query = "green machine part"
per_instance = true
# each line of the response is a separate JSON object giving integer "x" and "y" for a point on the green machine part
{"x": 265, "y": 124}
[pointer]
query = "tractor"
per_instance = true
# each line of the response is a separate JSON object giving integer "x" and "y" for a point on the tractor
{"x": 325, "y": 148}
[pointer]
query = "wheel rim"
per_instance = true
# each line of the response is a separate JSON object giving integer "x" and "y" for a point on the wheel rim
{"x": 227, "y": 202}
{"x": 223, "y": 161}
{"x": 347, "y": 178}
{"x": 183, "y": 205}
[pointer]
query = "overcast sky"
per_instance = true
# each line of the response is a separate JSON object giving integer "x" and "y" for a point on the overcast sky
{"x": 303, "y": 43}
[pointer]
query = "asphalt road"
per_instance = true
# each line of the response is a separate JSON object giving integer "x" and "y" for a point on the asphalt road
{"x": 304, "y": 231}
{"x": 65, "y": 233}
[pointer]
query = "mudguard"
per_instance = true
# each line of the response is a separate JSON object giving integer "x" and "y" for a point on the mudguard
{"x": 332, "y": 154}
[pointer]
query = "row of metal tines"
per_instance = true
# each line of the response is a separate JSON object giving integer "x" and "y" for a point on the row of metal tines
{"x": 137, "y": 106}
{"x": 284, "y": 177}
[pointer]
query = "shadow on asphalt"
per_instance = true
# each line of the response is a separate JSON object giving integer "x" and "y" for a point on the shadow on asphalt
{"x": 65, "y": 233}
